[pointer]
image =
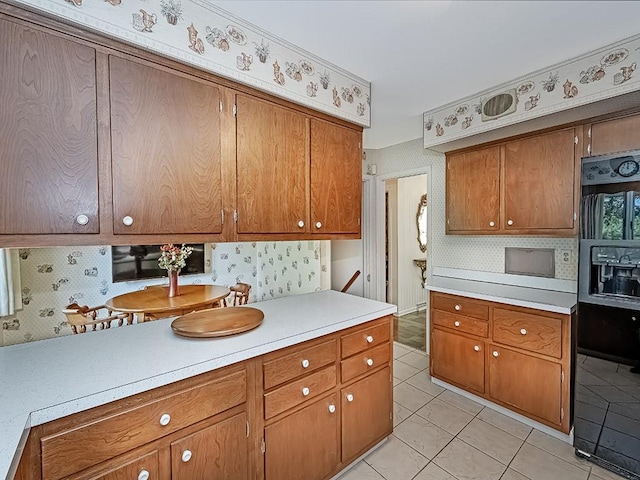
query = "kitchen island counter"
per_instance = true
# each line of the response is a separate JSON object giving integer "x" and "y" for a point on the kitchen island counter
{"x": 49, "y": 379}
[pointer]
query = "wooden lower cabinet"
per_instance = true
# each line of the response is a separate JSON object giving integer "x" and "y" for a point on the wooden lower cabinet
{"x": 304, "y": 444}
{"x": 218, "y": 452}
{"x": 367, "y": 412}
{"x": 145, "y": 467}
{"x": 540, "y": 394}
{"x": 458, "y": 359}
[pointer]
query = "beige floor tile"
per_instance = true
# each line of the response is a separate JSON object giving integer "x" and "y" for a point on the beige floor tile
{"x": 396, "y": 381}
{"x": 445, "y": 416}
{"x": 557, "y": 447}
{"x": 433, "y": 472}
{"x": 410, "y": 397}
{"x": 400, "y": 414}
{"x": 400, "y": 350}
{"x": 423, "y": 436}
{"x": 422, "y": 381}
{"x": 537, "y": 464}
{"x": 467, "y": 463}
{"x": 491, "y": 440}
{"x": 599, "y": 473}
{"x": 417, "y": 360}
{"x": 508, "y": 424}
{"x": 513, "y": 475}
{"x": 403, "y": 371}
{"x": 395, "y": 460}
{"x": 362, "y": 471}
{"x": 460, "y": 402}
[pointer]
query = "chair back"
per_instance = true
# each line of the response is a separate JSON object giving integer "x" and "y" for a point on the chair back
{"x": 240, "y": 293}
{"x": 80, "y": 317}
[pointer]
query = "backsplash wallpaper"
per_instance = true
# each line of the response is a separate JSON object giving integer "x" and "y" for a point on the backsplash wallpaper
{"x": 198, "y": 33}
{"x": 52, "y": 278}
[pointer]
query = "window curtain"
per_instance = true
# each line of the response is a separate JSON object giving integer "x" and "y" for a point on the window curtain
{"x": 10, "y": 286}
{"x": 591, "y": 224}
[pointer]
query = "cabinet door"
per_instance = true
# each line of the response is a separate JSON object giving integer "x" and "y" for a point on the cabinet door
{"x": 539, "y": 182}
{"x": 134, "y": 469}
{"x": 336, "y": 178}
{"x": 166, "y": 160}
{"x": 366, "y": 413}
{"x": 304, "y": 444}
{"x": 528, "y": 383}
{"x": 218, "y": 452}
{"x": 473, "y": 191}
{"x": 457, "y": 359}
{"x": 271, "y": 168}
{"x": 48, "y": 152}
{"x": 617, "y": 135}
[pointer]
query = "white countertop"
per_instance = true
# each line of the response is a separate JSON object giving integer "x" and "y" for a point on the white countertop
{"x": 548, "y": 300}
{"x": 49, "y": 379}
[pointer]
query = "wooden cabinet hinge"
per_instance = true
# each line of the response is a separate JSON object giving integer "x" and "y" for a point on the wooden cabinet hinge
{"x": 263, "y": 447}
{"x": 575, "y": 139}
{"x": 247, "y": 429}
{"x": 220, "y": 105}
{"x": 589, "y": 133}
{"x": 589, "y": 149}
{"x": 561, "y": 413}
{"x": 235, "y": 110}
{"x": 222, "y": 215}
{"x": 562, "y": 377}
{"x": 235, "y": 216}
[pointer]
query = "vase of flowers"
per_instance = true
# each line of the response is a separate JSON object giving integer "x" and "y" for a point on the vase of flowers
{"x": 173, "y": 259}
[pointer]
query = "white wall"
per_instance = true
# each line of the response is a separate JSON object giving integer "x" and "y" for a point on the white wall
{"x": 346, "y": 258}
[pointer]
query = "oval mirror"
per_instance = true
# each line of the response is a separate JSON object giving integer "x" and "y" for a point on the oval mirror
{"x": 421, "y": 221}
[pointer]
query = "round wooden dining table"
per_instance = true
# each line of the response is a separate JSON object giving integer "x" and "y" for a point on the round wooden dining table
{"x": 154, "y": 302}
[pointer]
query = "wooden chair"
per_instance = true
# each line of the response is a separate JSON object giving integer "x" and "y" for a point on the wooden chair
{"x": 240, "y": 292}
{"x": 80, "y": 317}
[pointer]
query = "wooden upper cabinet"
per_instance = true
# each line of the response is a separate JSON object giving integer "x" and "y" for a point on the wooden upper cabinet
{"x": 617, "y": 135}
{"x": 473, "y": 191}
{"x": 539, "y": 176}
{"x": 272, "y": 159}
{"x": 166, "y": 151}
{"x": 48, "y": 152}
{"x": 336, "y": 178}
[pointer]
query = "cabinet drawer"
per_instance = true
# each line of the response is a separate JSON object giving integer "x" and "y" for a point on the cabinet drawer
{"x": 531, "y": 332}
{"x": 115, "y": 434}
{"x": 460, "y": 305}
{"x": 296, "y": 392}
{"x": 366, "y": 338}
{"x": 460, "y": 323}
{"x": 298, "y": 363}
{"x": 367, "y": 360}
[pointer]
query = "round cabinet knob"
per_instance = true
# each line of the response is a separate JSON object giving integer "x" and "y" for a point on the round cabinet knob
{"x": 300, "y": 223}
{"x": 456, "y": 323}
{"x": 332, "y": 408}
{"x": 186, "y": 456}
{"x": 476, "y": 348}
{"x": 305, "y": 363}
{"x": 318, "y": 225}
{"x": 128, "y": 221}
{"x": 458, "y": 307}
{"x": 523, "y": 331}
{"x": 492, "y": 224}
{"x": 143, "y": 475}
{"x": 305, "y": 391}
{"x": 349, "y": 397}
{"x": 82, "y": 219}
{"x": 369, "y": 339}
{"x": 495, "y": 354}
{"x": 370, "y": 362}
{"x": 165, "y": 418}
{"x": 509, "y": 222}
{"x": 633, "y": 319}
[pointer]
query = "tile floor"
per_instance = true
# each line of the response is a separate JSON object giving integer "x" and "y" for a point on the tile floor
{"x": 411, "y": 330}
{"x": 440, "y": 435}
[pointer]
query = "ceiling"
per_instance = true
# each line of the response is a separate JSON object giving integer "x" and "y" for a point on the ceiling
{"x": 419, "y": 55}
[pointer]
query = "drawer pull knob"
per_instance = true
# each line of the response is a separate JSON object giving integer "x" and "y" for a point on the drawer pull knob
{"x": 349, "y": 397}
{"x": 492, "y": 224}
{"x": 509, "y": 222}
{"x": 523, "y": 331}
{"x": 82, "y": 219}
{"x": 186, "y": 456}
{"x": 495, "y": 353}
{"x": 305, "y": 363}
{"x": 456, "y": 323}
{"x": 300, "y": 224}
{"x": 458, "y": 307}
{"x": 143, "y": 475}
{"x": 370, "y": 362}
{"x": 128, "y": 221}
{"x": 305, "y": 391}
{"x": 165, "y": 418}
{"x": 332, "y": 408}
{"x": 369, "y": 339}
{"x": 318, "y": 225}
{"x": 476, "y": 348}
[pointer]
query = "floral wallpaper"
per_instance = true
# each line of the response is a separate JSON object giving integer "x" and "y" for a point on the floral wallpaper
{"x": 197, "y": 32}
{"x": 597, "y": 75}
{"x": 52, "y": 278}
